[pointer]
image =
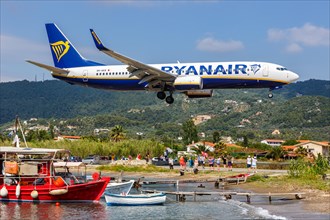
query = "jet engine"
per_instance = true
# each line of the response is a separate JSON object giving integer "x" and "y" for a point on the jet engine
{"x": 199, "y": 93}
{"x": 186, "y": 83}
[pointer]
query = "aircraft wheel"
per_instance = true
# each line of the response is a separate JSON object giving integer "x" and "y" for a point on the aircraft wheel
{"x": 161, "y": 95}
{"x": 270, "y": 95}
{"x": 169, "y": 99}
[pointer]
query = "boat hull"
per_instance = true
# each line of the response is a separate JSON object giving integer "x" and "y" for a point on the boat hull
{"x": 84, "y": 192}
{"x": 135, "y": 200}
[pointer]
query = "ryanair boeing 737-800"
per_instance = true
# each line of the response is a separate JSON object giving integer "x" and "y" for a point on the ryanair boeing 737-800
{"x": 196, "y": 80}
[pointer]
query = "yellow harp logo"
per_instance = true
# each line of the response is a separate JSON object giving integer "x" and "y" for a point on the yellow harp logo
{"x": 60, "y": 48}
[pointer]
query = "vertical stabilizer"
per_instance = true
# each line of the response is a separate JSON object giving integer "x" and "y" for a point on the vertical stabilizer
{"x": 64, "y": 53}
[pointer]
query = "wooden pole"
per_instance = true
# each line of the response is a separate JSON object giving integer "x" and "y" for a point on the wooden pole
{"x": 248, "y": 198}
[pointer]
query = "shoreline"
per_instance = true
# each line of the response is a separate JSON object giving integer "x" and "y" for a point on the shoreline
{"x": 317, "y": 201}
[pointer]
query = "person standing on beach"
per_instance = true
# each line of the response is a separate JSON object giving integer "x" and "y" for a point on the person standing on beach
{"x": 196, "y": 162}
{"x": 254, "y": 164}
{"x": 170, "y": 162}
{"x": 182, "y": 163}
{"x": 203, "y": 161}
{"x": 218, "y": 161}
{"x": 211, "y": 162}
{"x": 224, "y": 158}
{"x": 248, "y": 163}
{"x": 191, "y": 163}
{"x": 230, "y": 163}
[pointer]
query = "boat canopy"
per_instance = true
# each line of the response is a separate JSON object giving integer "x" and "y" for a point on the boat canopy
{"x": 69, "y": 164}
{"x": 21, "y": 150}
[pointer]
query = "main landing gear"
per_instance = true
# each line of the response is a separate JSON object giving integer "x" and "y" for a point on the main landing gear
{"x": 162, "y": 95}
{"x": 270, "y": 94}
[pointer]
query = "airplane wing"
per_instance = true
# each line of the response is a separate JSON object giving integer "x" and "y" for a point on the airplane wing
{"x": 50, "y": 68}
{"x": 143, "y": 71}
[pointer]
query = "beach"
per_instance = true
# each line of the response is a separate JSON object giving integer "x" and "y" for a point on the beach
{"x": 315, "y": 201}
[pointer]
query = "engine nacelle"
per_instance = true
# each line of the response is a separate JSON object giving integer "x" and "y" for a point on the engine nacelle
{"x": 186, "y": 83}
{"x": 199, "y": 93}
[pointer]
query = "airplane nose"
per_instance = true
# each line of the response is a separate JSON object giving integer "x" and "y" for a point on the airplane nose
{"x": 293, "y": 76}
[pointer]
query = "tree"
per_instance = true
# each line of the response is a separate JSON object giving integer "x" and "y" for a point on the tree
{"x": 200, "y": 148}
{"x": 290, "y": 142}
{"x": 245, "y": 141}
{"x": 276, "y": 153}
{"x": 220, "y": 148}
{"x": 301, "y": 151}
{"x": 117, "y": 133}
{"x": 189, "y": 132}
{"x": 216, "y": 137}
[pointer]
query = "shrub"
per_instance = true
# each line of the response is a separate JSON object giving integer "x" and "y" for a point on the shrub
{"x": 305, "y": 169}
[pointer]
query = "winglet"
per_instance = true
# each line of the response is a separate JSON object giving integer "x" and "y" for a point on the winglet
{"x": 97, "y": 41}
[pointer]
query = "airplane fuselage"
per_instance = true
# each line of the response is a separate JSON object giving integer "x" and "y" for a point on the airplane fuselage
{"x": 214, "y": 75}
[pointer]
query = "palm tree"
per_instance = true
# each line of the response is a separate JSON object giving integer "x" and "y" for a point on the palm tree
{"x": 200, "y": 148}
{"x": 276, "y": 153}
{"x": 220, "y": 148}
{"x": 301, "y": 151}
{"x": 117, "y": 133}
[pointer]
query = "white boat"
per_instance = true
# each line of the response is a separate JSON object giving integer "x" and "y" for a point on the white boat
{"x": 119, "y": 188}
{"x": 135, "y": 199}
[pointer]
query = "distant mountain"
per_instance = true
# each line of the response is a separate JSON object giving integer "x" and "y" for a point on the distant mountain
{"x": 302, "y": 105}
{"x": 312, "y": 87}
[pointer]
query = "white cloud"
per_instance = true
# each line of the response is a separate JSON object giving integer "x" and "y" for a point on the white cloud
{"x": 293, "y": 48}
{"x": 214, "y": 45}
{"x": 299, "y": 37}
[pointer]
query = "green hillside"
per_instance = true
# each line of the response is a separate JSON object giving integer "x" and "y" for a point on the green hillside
{"x": 302, "y": 108}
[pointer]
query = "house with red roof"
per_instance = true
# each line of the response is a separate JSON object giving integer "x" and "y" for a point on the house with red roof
{"x": 315, "y": 147}
{"x": 273, "y": 142}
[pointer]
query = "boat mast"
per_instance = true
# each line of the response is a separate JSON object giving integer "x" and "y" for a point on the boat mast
{"x": 18, "y": 123}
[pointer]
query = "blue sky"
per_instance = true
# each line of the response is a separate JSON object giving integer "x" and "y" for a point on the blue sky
{"x": 294, "y": 34}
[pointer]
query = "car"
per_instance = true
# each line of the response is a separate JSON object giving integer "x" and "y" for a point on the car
{"x": 75, "y": 159}
{"x": 163, "y": 162}
{"x": 91, "y": 159}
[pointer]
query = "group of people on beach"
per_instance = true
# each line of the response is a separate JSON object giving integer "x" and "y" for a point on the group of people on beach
{"x": 251, "y": 163}
{"x": 203, "y": 160}
{"x": 225, "y": 160}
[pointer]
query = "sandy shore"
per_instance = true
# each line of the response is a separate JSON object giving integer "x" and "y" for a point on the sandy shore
{"x": 313, "y": 200}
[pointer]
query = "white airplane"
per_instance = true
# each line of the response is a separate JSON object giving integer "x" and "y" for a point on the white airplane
{"x": 196, "y": 80}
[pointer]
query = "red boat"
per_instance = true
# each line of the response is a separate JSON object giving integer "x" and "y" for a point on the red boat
{"x": 33, "y": 175}
{"x": 239, "y": 178}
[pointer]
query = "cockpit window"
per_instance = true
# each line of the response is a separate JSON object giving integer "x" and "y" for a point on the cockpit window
{"x": 281, "y": 68}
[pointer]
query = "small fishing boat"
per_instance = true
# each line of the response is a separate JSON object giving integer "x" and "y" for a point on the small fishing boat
{"x": 119, "y": 188}
{"x": 135, "y": 199}
{"x": 34, "y": 175}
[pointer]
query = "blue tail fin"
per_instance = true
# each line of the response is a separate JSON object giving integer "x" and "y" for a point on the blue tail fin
{"x": 64, "y": 53}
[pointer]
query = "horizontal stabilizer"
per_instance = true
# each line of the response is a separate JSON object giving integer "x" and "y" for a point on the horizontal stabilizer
{"x": 50, "y": 68}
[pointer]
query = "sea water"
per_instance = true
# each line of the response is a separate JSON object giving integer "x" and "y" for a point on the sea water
{"x": 205, "y": 207}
